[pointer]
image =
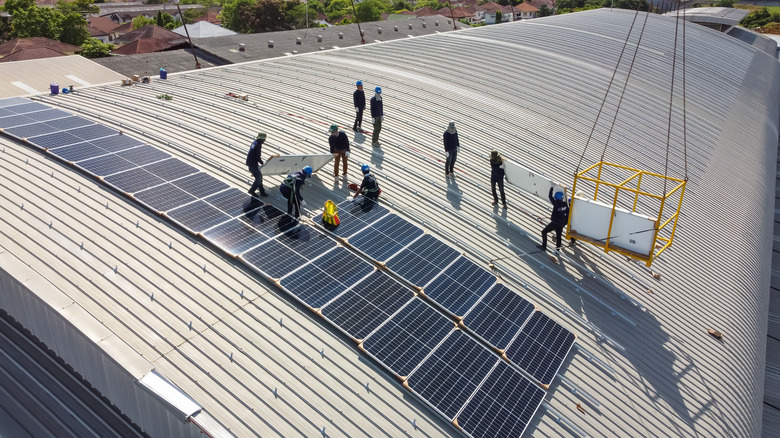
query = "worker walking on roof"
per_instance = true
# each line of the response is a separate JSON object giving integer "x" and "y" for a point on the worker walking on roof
{"x": 359, "y": 99}
{"x": 339, "y": 147}
{"x": 291, "y": 190}
{"x": 370, "y": 186}
{"x": 558, "y": 219}
{"x": 497, "y": 175}
{"x": 451, "y": 148}
{"x": 377, "y": 115}
{"x": 253, "y": 161}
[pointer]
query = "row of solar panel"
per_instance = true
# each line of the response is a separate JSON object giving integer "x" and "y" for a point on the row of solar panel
{"x": 364, "y": 303}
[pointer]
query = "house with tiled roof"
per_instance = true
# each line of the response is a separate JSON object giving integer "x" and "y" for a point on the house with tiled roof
{"x": 102, "y": 28}
{"x": 143, "y": 45}
{"x": 538, "y": 3}
{"x": 526, "y": 11}
{"x": 210, "y": 16}
{"x": 461, "y": 13}
{"x": 17, "y": 44}
{"x": 152, "y": 31}
{"x": 487, "y": 12}
{"x": 427, "y": 12}
{"x": 32, "y": 53}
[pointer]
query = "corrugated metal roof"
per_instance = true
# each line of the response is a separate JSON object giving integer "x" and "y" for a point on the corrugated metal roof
{"x": 23, "y": 78}
{"x": 645, "y": 364}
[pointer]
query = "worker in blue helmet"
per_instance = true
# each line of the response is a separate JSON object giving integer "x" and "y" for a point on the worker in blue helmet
{"x": 359, "y": 99}
{"x": 253, "y": 162}
{"x": 558, "y": 219}
{"x": 377, "y": 115}
{"x": 291, "y": 190}
{"x": 339, "y": 147}
{"x": 370, "y": 186}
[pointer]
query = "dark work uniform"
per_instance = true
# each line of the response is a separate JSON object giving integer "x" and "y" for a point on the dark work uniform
{"x": 252, "y": 161}
{"x": 370, "y": 187}
{"x": 359, "y": 99}
{"x": 558, "y": 219}
{"x": 339, "y": 144}
{"x": 497, "y": 179}
{"x": 291, "y": 190}
{"x": 377, "y": 112}
{"x": 451, "y": 145}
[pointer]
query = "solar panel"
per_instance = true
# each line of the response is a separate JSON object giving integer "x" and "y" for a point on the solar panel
{"x": 55, "y": 140}
{"x": 322, "y": 279}
{"x": 459, "y": 287}
{"x": 274, "y": 259}
{"x": 143, "y": 155}
{"x": 133, "y": 180}
{"x": 92, "y": 132}
{"x": 164, "y": 197}
{"x": 26, "y": 107}
{"x": 502, "y": 406}
{"x": 47, "y": 114}
{"x": 355, "y": 216}
{"x": 171, "y": 169}
{"x": 105, "y": 165}
{"x": 267, "y": 219}
{"x": 197, "y": 216}
{"x": 234, "y": 236}
{"x": 116, "y": 143}
{"x": 540, "y": 347}
{"x": 233, "y": 202}
{"x": 405, "y": 339}
{"x": 15, "y": 120}
{"x": 451, "y": 374}
{"x": 79, "y": 152}
{"x": 498, "y": 316}
{"x": 422, "y": 260}
{"x": 304, "y": 240}
{"x": 385, "y": 237}
{"x": 13, "y": 101}
{"x": 31, "y": 130}
{"x": 201, "y": 185}
{"x": 365, "y": 306}
{"x": 68, "y": 123}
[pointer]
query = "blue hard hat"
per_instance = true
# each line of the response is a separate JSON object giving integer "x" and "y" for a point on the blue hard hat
{"x": 365, "y": 168}
{"x": 307, "y": 170}
{"x": 359, "y": 83}
{"x": 558, "y": 195}
{"x": 378, "y": 90}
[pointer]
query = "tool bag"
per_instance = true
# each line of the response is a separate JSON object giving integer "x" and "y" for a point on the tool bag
{"x": 330, "y": 214}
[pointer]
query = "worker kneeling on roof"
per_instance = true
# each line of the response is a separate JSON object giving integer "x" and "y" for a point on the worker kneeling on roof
{"x": 291, "y": 189}
{"x": 370, "y": 186}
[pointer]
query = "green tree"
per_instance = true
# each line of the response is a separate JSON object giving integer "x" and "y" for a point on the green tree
{"x": 433, "y": 4}
{"x": 94, "y": 48}
{"x": 337, "y": 9}
{"x": 230, "y": 16}
{"x": 141, "y": 21}
{"x": 295, "y": 17}
{"x": 190, "y": 15}
{"x": 369, "y": 10}
{"x": 36, "y": 22}
{"x": 401, "y": 5}
{"x": 758, "y": 18}
{"x": 725, "y": 4}
{"x": 82, "y": 7}
{"x": 544, "y": 11}
{"x": 498, "y": 16}
{"x": 12, "y": 6}
{"x": 74, "y": 29}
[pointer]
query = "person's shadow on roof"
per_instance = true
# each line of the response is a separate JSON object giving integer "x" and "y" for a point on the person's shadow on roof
{"x": 377, "y": 158}
{"x": 453, "y": 192}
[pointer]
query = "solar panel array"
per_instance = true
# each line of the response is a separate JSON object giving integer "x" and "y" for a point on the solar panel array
{"x": 461, "y": 378}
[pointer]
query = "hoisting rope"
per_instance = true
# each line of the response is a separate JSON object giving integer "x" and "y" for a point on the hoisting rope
{"x": 614, "y": 73}
{"x": 685, "y": 111}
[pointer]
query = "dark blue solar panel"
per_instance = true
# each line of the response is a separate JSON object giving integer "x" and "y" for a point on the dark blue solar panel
{"x": 234, "y": 236}
{"x": 198, "y": 216}
{"x": 201, "y": 185}
{"x": 78, "y": 152}
{"x": 164, "y": 197}
{"x": 404, "y": 340}
{"x": 15, "y": 120}
{"x": 116, "y": 143}
{"x": 459, "y": 287}
{"x": 11, "y": 101}
{"x": 304, "y": 240}
{"x": 105, "y": 165}
{"x": 47, "y": 114}
{"x": 367, "y": 305}
{"x": 540, "y": 347}
{"x": 274, "y": 259}
{"x": 502, "y": 406}
{"x": 143, "y": 155}
{"x": 452, "y": 373}
{"x": 55, "y": 140}
{"x": 133, "y": 180}
{"x": 4, "y": 112}
{"x": 171, "y": 169}
{"x": 498, "y": 316}
{"x": 68, "y": 123}
{"x": 422, "y": 260}
{"x": 267, "y": 219}
{"x": 233, "y": 202}
{"x": 323, "y": 279}
{"x": 354, "y": 216}
{"x": 31, "y": 130}
{"x": 27, "y": 107}
{"x": 385, "y": 237}
{"x": 92, "y": 132}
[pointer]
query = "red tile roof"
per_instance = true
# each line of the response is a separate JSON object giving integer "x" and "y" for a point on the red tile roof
{"x": 102, "y": 23}
{"x": 143, "y": 45}
{"x": 33, "y": 43}
{"x": 32, "y": 53}
{"x": 124, "y": 28}
{"x": 526, "y": 7}
{"x": 427, "y": 12}
{"x": 151, "y": 31}
{"x": 211, "y": 17}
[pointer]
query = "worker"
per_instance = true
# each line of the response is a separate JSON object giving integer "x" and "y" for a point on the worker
{"x": 497, "y": 175}
{"x": 377, "y": 115}
{"x": 339, "y": 147}
{"x": 370, "y": 186}
{"x": 291, "y": 190}
{"x": 558, "y": 219}
{"x": 359, "y": 99}
{"x": 451, "y": 148}
{"x": 253, "y": 162}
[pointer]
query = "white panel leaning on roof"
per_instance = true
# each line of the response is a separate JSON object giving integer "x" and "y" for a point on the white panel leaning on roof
{"x": 287, "y": 164}
{"x": 530, "y": 181}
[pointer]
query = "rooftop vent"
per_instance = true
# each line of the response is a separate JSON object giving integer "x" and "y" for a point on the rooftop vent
{"x": 410, "y": 26}
{"x": 436, "y": 23}
{"x": 319, "y": 38}
{"x": 395, "y": 28}
{"x": 379, "y": 30}
{"x": 241, "y": 47}
{"x": 341, "y": 35}
{"x": 298, "y": 41}
{"x": 448, "y": 21}
{"x": 270, "y": 44}
{"x": 425, "y": 25}
{"x": 295, "y": 52}
{"x": 362, "y": 32}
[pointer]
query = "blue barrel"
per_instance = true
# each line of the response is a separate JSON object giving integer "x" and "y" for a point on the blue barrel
{"x": 55, "y": 88}
{"x": 163, "y": 73}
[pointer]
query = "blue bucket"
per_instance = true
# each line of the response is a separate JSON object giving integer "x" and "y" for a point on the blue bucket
{"x": 163, "y": 73}
{"x": 55, "y": 88}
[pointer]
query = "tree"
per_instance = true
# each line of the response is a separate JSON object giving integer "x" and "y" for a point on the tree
{"x": 230, "y": 16}
{"x": 369, "y": 10}
{"x": 498, "y": 16}
{"x": 12, "y": 6}
{"x": 74, "y": 29}
{"x": 544, "y": 11}
{"x": 401, "y": 5}
{"x": 141, "y": 21}
{"x": 338, "y": 9}
{"x": 81, "y": 7}
{"x": 36, "y": 22}
{"x": 725, "y": 4}
{"x": 94, "y": 48}
{"x": 433, "y": 4}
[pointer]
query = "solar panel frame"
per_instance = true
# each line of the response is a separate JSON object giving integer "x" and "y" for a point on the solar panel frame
{"x": 458, "y": 288}
{"x": 197, "y": 216}
{"x": 416, "y": 264}
{"x": 541, "y": 347}
{"x": 133, "y": 180}
{"x": 502, "y": 406}
{"x": 233, "y": 202}
{"x": 365, "y": 306}
{"x": 498, "y": 316}
{"x": 143, "y": 155}
{"x": 104, "y": 165}
{"x": 47, "y": 114}
{"x": 273, "y": 259}
{"x": 79, "y": 152}
{"x": 385, "y": 237}
{"x": 13, "y": 101}
{"x": 164, "y": 197}
{"x": 408, "y": 337}
{"x": 453, "y": 372}
{"x": 117, "y": 143}
{"x": 31, "y": 130}
{"x": 27, "y": 107}
{"x": 201, "y": 185}
{"x": 15, "y": 120}
{"x": 234, "y": 236}
{"x": 54, "y": 140}
{"x": 67, "y": 123}
{"x": 267, "y": 219}
{"x": 92, "y": 132}
{"x": 171, "y": 169}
